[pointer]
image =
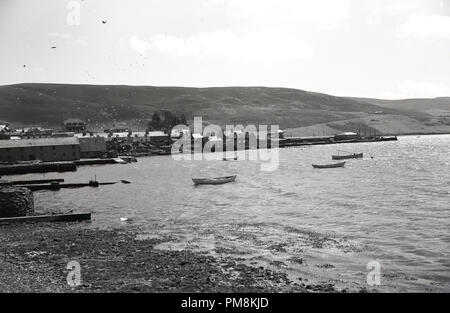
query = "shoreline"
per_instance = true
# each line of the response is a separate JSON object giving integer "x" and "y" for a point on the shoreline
{"x": 422, "y": 134}
{"x": 35, "y": 257}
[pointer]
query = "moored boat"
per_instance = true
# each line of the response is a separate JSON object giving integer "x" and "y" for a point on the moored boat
{"x": 349, "y": 156}
{"x": 128, "y": 158}
{"x": 163, "y": 152}
{"x": 335, "y": 165}
{"x": 214, "y": 181}
{"x": 120, "y": 161}
{"x": 231, "y": 159}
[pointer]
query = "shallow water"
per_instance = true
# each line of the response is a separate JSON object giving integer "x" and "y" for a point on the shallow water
{"x": 324, "y": 225}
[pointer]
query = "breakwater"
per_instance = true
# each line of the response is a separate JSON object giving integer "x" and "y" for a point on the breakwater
{"x": 43, "y": 167}
{"x": 95, "y": 161}
{"x": 31, "y": 182}
{"x": 16, "y": 201}
{"x": 246, "y": 144}
{"x": 294, "y": 142}
{"x": 57, "y": 186}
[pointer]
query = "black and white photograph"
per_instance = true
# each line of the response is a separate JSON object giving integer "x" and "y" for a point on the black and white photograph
{"x": 230, "y": 148}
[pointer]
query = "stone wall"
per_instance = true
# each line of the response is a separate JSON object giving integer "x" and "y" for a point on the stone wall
{"x": 16, "y": 201}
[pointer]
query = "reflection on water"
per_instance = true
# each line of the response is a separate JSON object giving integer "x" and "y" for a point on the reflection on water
{"x": 324, "y": 224}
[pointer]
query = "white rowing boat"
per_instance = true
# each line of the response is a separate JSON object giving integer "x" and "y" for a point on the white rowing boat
{"x": 214, "y": 181}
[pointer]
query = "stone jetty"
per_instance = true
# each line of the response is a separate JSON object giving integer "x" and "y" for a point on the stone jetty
{"x": 16, "y": 201}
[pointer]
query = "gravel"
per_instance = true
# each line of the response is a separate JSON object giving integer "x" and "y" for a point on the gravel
{"x": 34, "y": 257}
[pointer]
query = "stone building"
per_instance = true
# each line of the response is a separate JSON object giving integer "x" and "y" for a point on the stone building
{"x": 157, "y": 138}
{"x": 43, "y": 149}
{"x": 92, "y": 147}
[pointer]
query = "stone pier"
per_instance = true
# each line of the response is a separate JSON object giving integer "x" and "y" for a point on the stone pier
{"x": 16, "y": 201}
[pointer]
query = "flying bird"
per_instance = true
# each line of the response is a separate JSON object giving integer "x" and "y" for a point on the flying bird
{"x": 53, "y": 47}
{"x": 104, "y": 22}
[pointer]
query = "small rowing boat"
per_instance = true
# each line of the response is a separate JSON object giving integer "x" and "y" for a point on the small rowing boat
{"x": 335, "y": 165}
{"x": 350, "y": 156}
{"x": 214, "y": 181}
{"x": 231, "y": 159}
{"x": 163, "y": 152}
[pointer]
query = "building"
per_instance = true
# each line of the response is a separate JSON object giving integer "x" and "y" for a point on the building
{"x": 4, "y": 131}
{"x": 44, "y": 149}
{"x": 158, "y": 138}
{"x": 4, "y": 128}
{"x": 92, "y": 147}
{"x": 120, "y": 128}
{"x": 34, "y": 132}
{"x": 74, "y": 125}
{"x": 63, "y": 134}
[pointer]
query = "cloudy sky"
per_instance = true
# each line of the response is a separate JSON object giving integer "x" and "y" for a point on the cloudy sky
{"x": 368, "y": 48}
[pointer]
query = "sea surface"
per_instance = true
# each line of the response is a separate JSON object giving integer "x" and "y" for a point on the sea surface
{"x": 391, "y": 207}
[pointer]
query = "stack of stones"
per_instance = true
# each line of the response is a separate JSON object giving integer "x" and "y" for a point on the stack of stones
{"x": 16, "y": 201}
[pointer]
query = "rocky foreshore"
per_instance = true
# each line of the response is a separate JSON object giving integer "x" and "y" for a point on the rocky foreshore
{"x": 16, "y": 201}
{"x": 34, "y": 258}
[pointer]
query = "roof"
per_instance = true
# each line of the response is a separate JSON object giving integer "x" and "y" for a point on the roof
{"x": 121, "y": 134}
{"x": 92, "y": 144}
{"x": 133, "y": 134}
{"x": 214, "y": 138}
{"x": 38, "y": 142}
{"x": 34, "y": 128}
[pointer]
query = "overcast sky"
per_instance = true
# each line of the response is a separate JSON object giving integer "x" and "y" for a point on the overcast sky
{"x": 368, "y": 48}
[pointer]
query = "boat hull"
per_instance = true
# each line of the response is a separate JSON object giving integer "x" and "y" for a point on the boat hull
{"x": 336, "y": 165}
{"x": 346, "y": 157}
{"x": 214, "y": 181}
{"x": 163, "y": 152}
{"x": 230, "y": 159}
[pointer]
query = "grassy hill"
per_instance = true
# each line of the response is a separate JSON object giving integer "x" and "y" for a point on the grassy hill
{"x": 436, "y": 107}
{"x": 101, "y": 106}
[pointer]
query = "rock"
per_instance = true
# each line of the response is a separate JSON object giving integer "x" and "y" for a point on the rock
{"x": 16, "y": 201}
{"x": 325, "y": 266}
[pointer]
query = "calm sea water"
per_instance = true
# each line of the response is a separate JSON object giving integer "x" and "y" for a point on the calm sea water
{"x": 324, "y": 225}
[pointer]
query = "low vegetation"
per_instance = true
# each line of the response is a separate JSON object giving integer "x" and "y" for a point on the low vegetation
{"x": 103, "y": 106}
